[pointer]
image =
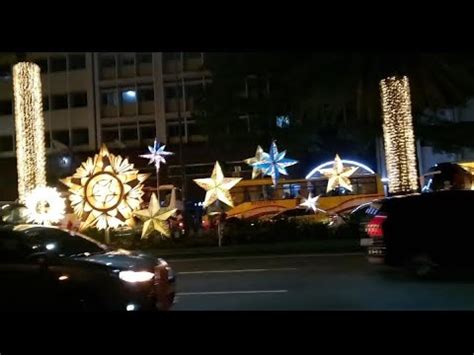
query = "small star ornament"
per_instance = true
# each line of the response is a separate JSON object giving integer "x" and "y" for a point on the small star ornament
{"x": 157, "y": 154}
{"x": 217, "y": 187}
{"x": 311, "y": 203}
{"x": 155, "y": 218}
{"x": 274, "y": 163}
{"x": 338, "y": 175}
{"x": 256, "y": 159}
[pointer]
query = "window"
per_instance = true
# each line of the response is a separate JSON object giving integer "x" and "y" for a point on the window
{"x": 195, "y": 91}
{"x": 127, "y": 59}
{"x": 58, "y": 64}
{"x": 45, "y": 103}
{"x": 144, "y": 58}
{"x": 171, "y": 56}
{"x": 194, "y": 129}
{"x": 5, "y": 107}
{"x": 58, "y": 102}
{"x": 109, "y": 98}
{"x": 170, "y": 92}
{"x": 5, "y": 71}
{"x": 173, "y": 130}
{"x": 78, "y": 99}
{"x": 43, "y": 64}
{"x": 129, "y": 134}
{"x": 61, "y": 136}
{"x": 110, "y": 135}
{"x": 107, "y": 61}
{"x": 64, "y": 242}
{"x": 128, "y": 96}
{"x": 283, "y": 121}
{"x": 147, "y": 132}
{"x": 80, "y": 136}
{"x": 192, "y": 55}
{"x": 146, "y": 94}
{"x": 77, "y": 61}
{"x": 6, "y": 143}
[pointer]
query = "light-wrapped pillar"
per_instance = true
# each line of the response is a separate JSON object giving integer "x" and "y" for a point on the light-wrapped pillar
{"x": 29, "y": 126}
{"x": 399, "y": 138}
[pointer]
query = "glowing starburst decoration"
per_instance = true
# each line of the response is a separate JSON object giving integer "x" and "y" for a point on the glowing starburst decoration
{"x": 274, "y": 163}
{"x": 338, "y": 176}
{"x": 217, "y": 187}
{"x": 44, "y": 205}
{"x": 157, "y": 154}
{"x": 311, "y": 203}
{"x": 256, "y": 159}
{"x": 105, "y": 191}
{"x": 155, "y": 218}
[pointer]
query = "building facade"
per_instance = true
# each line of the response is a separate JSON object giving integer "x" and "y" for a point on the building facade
{"x": 121, "y": 99}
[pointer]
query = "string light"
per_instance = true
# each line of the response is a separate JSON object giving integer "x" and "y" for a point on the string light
{"x": 29, "y": 126}
{"x": 399, "y": 138}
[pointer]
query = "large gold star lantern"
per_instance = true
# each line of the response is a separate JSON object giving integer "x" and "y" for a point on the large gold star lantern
{"x": 217, "y": 187}
{"x": 155, "y": 218}
{"x": 338, "y": 175}
{"x": 105, "y": 191}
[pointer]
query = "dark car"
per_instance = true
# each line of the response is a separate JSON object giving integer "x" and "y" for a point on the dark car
{"x": 292, "y": 212}
{"x": 50, "y": 269}
{"x": 423, "y": 231}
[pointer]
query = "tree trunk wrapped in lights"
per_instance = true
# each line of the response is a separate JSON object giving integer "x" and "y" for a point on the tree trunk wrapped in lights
{"x": 399, "y": 138}
{"x": 29, "y": 126}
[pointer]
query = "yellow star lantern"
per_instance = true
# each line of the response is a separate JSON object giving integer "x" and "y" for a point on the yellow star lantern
{"x": 338, "y": 176}
{"x": 217, "y": 187}
{"x": 105, "y": 190}
{"x": 154, "y": 218}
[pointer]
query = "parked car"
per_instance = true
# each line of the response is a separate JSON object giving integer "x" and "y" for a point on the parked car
{"x": 299, "y": 212}
{"x": 47, "y": 268}
{"x": 422, "y": 231}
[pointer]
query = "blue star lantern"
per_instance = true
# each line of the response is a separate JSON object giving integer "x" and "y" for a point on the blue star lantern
{"x": 156, "y": 155}
{"x": 273, "y": 163}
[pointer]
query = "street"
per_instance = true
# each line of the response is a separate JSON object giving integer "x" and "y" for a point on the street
{"x": 311, "y": 282}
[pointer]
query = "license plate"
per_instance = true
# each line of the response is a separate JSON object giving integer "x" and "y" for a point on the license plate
{"x": 364, "y": 242}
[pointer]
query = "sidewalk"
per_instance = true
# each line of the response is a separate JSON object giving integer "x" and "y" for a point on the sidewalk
{"x": 300, "y": 247}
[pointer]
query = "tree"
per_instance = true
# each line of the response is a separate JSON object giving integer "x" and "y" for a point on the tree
{"x": 326, "y": 91}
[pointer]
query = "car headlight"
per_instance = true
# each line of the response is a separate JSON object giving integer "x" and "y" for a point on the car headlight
{"x": 136, "y": 276}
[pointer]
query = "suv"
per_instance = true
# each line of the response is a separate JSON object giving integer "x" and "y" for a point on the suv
{"x": 422, "y": 231}
{"x": 47, "y": 268}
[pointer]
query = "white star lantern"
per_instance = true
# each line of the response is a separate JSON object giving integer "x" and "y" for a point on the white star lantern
{"x": 157, "y": 154}
{"x": 338, "y": 175}
{"x": 311, "y": 203}
{"x": 273, "y": 163}
{"x": 256, "y": 159}
{"x": 217, "y": 187}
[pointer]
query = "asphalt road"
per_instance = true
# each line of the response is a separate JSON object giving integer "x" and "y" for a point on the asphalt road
{"x": 311, "y": 282}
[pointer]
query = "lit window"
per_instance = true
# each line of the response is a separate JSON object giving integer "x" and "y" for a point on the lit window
{"x": 129, "y": 96}
{"x": 283, "y": 121}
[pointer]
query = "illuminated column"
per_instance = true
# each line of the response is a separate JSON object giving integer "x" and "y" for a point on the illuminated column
{"x": 399, "y": 138}
{"x": 29, "y": 126}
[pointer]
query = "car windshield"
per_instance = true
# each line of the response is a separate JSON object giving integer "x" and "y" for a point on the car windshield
{"x": 61, "y": 241}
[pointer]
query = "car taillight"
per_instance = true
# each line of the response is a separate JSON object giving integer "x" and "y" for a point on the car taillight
{"x": 374, "y": 227}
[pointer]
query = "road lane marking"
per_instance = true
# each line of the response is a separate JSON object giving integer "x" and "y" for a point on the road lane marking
{"x": 228, "y": 292}
{"x": 234, "y": 271}
{"x": 265, "y": 257}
